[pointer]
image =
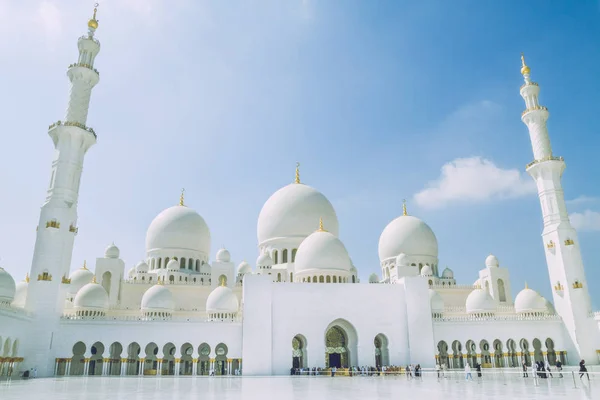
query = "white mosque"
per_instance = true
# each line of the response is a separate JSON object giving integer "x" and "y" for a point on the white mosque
{"x": 179, "y": 312}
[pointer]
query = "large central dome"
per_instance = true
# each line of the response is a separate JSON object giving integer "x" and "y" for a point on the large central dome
{"x": 178, "y": 227}
{"x": 294, "y": 211}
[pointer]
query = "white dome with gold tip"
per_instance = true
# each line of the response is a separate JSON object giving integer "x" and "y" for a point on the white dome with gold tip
{"x": 530, "y": 301}
{"x": 79, "y": 278}
{"x": 158, "y": 299}
{"x": 222, "y": 300}
{"x": 7, "y": 287}
{"x": 480, "y": 301}
{"x": 409, "y": 235}
{"x": 293, "y": 211}
{"x": 91, "y": 297}
{"x": 322, "y": 250}
{"x": 178, "y": 228}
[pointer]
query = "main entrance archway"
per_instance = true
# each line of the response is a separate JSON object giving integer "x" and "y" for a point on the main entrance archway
{"x": 340, "y": 345}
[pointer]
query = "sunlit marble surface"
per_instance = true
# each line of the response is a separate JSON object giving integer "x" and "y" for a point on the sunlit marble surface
{"x": 309, "y": 388}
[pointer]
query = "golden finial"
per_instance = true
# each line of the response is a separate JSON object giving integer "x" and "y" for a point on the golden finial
{"x": 84, "y": 265}
{"x": 526, "y": 285}
{"x": 160, "y": 282}
{"x": 321, "y": 228}
{"x": 94, "y": 279}
{"x": 524, "y": 68}
{"x": 27, "y": 277}
{"x": 181, "y": 203}
{"x": 404, "y": 212}
{"x": 297, "y": 173}
{"x": 93, "y": 23}
{"x": 223, "y": 281}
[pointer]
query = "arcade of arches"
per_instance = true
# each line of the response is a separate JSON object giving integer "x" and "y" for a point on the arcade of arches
{"x": 498, "y": 354}
{"x": 9, "y": 356}
{"x": 169, "y": 359}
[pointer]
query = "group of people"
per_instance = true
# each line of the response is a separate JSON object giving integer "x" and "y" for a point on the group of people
{"x": 411, "y": 371}
{"x": 542, "y": 369}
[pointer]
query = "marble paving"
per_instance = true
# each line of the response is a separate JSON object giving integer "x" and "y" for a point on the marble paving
{"x": 309, "y": 388}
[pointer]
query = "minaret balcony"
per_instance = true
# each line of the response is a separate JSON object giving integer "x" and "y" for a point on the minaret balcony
{"x": 529, "y": 84}
{"x": 541, "y": 160}
{"x": 71, "y": 123}
{"x": 88, "y": 66}
{"x": 534, "y": 108}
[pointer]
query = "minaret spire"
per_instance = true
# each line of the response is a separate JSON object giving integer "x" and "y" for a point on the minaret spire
{"x": 297, "y": 180}
{"x": 404, "y": 212}
{"x": 560, "y": 243}
{"x": 181, "y": 198}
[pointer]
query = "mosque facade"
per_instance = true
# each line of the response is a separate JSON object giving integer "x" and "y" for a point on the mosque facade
{"x": 180, "y": 312}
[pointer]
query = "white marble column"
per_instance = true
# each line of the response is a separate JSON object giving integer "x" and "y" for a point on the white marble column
{"x": 159, "y": 366}
{"x": 68, "y": 367}
{"x": 177, "y": 366}
{"x": 124, "y": 365}
{"x": 194, "y": 366}
{"x": 56, "y": 363}
{"x": 142, "y": 362}
{"x": 86, "y": 366}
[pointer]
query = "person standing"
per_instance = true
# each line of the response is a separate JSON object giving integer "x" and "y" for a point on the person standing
{"x": 583, "y": 370}
{"x": 547, "y": 366}
{"x": 559, "y": 368}
{"x": 525, "y": 370}
{"x": 478, "y": 369}
{"x": 468, "y": 375}
{"x": 437, "y": 369}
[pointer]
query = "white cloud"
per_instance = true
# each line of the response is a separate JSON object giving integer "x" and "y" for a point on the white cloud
{"x": 586, "y": 221}
{"x": 582, "y": 200}
{"x": 474, "y": 179}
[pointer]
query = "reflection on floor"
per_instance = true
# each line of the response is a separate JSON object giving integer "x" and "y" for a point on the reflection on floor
{"x": 314, "y": 388}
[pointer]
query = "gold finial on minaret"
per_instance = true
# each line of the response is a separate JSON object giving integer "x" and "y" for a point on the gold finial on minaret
{"x": 526, "y": 285}
{"x": 297, "y": 180}
{"x": 84, "y": 264}
{"x": 93, "y": 23}
{"x": 404, "y": 212}
{"x": 524, "y": 68}
{"x": 321, "y": 228}
{"x": 94, "y": 279}
{"x": 27, "y": 277}
{"x": 181, "y": 203}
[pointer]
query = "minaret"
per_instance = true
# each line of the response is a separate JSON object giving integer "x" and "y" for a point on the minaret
{"x": 563, "y": 256}
{"x": 57, "y": 225}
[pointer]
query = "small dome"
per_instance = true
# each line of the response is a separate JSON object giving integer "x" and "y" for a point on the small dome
{"x": 407, "y": 234}
{"x": 480, "y": 301}
{"x": 426, "y": 270}
{"x": 373, "y": 278}
{"x": 264, "y": 260}
{"x": 180, "y": 228}
{"x": 173, "y": 265}
{"x": 142, "y": 267}
{"x": 20, "y": 294}
{"x": 477, "y": 282}
{"x": 91, "y": 296}
{"x": 158, "y": 299}
{"x": 112, "y": 251}
{"x": 79, "y": 278}
{"x": 131, "y": 272}
{"x": 550, "y": 307}
{"x": 7, "y": 287}
{"x": 293, "y": 211}
{"x": 448, "y": 273}
{"x": 222, "y": 300}
{"x": 322, "y": 251}
{"x": 402, "y": 260}
{"x": 223, "y": 255}
{"x": 244, "y": 268}
{"x": 491, "y": 261}
{"x": 530, "y": 301}
{"x": 436, "y": 301}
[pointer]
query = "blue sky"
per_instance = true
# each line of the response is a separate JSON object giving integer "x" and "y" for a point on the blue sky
{"x": 379, "y": 101}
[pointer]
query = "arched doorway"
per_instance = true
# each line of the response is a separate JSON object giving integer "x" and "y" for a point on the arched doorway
{"x": 151, "y": 363}
{"x": 78, "y": 359}
{"x": 381, "y": 351}
{"x": 442, "y": 353}
{"x": 471, "y": 353}
{"x": 513, "y": 359}
{"x": 551, "y": 352}
{"x": 340, "y": 345}
{"x": 457, "y": 359}
{"x": 299, "y": 352}
{"x": 96, "y": 360}
{"x": 114, "y": 366}
{"x": 498, "y": 354}
{"x": 106, "y": 280}
{"x": 168, "y": 361}
{"x": 133, "y": 359}
{"x": 538, "y": 355}
{"x": 526, "y": 357}
{"x": 203, "y": 359}
{"x": 186, "y": 365}
{"x": 221, "y": 359}
{"x": 486, "y": 357}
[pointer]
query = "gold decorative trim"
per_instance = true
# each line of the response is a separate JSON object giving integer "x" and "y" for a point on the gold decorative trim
{"x": 124, "y": 360}
{"x": 212, "y": 360}
{"x": 558, "y": 287}
{"x": 569, "y": 242}
{"x": 534, "y": 108}
{"x": 73, "y": 229}
{"x": 178, "y": 360}
{"x": 53, "y": 224}
{"x": 550, "y": 245}
{"x": 44, "y": 277}
{"x": 65, "y": 280}
{"x": 549, "y": 158}
{"x": 577, "y": 285}
{"x": 195, "y": 360}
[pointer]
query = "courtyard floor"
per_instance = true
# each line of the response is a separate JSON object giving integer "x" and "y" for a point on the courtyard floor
{"x": 311, "y": 388}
